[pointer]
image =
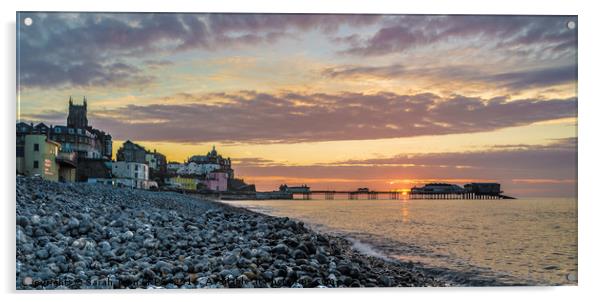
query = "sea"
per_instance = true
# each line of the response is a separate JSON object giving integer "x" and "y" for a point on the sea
{"x": 526, "y": 241}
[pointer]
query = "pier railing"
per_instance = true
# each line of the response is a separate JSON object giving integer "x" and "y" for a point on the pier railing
{"x": 329, "y": 195}
{"x": 353, "y": 195}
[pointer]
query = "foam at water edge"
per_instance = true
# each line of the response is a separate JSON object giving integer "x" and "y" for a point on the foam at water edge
{"x": 366, "y": 249}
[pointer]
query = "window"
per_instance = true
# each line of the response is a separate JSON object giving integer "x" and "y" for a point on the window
{"x": 57, "y": 130}
{"x": 36, "y": 147}
{"x": 35, "y": 164}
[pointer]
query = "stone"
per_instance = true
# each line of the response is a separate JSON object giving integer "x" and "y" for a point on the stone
{"x": 250, "y": 275}
{"x": 104, "y": 246}
{"x": 332, "y": 280}
{"x": 225, "y": 273}
{"x": 230, "y": 259}
{"x": 127, "y": 235}
{"x": 299, "y": 254}
{"x": 385, "y": 281}
{"x": 42, "y": 254}
{"x": 322, "y": 258}
{"x": 150, "y": 243}
{"x": 296, "y": 285}
{"x": 35, "y": 219}
{"x": 135, "y": 238}
{"x": 344, "y": 268}
{"x": 280, "y": 249}
{"x": 267, "y": 275}
{"x": 22, "y": 221}
{"x": 306, "y": 281}
{"x": 73, "y": 223}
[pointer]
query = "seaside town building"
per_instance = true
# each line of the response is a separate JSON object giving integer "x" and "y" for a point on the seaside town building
{"x": 131, "y": 175}
{"x": 80, "y": 137}
{"x": 211, "y": 172}
{"x": 156, "y": 162}
{"x": 216, "y": 180}
{"x": 204, "y": 164}
{"x": 78, "y": 152}
{"x": 173, "y": 167}
{"x": 39, "y": 157}
{"x": 131, "y": 152}
{"x": 77, "y": 137}
{"x": 186, "y": 183}
{"x": 42, "y": 157}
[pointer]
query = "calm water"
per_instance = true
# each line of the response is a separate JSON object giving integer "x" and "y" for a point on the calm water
{"x": 531, "y": 241}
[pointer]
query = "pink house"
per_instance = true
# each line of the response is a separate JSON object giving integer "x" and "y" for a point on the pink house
{"x": 216, "y": 181}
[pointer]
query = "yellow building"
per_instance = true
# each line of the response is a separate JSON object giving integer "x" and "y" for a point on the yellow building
{"x": 39, "y": 157}
{"x": 186, "y": 183}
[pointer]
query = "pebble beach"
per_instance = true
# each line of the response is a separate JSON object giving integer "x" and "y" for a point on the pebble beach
{"x": 89, "y": 236}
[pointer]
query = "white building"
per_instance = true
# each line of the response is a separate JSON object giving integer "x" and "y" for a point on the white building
{"x": 193, "y": 168}
{"x": 174, "y": 167}
{"x": 130, "y": 174}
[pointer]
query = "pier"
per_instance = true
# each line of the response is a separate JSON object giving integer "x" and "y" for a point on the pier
{"x": 472, "y": 191}
{"x": 374, "y": 195}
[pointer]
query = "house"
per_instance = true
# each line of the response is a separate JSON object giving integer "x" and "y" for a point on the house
{"x": 204, "y": 164}
{"x": 182, "y": 182}
{"x": 130, "y": 174}
{"x": 37, "y": 157}
{"x": 131, "y": 152}
{"x": 156, "y": 161}
{"x": 216, "y": 180}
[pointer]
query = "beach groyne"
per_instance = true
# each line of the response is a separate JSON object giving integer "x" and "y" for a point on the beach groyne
{"x": 78, "y": 236}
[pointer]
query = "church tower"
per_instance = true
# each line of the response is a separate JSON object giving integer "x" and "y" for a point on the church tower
{"x": 78, "y": 115}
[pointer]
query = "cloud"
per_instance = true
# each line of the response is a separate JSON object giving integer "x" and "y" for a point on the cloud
{"x": 41, "y": 73}
{"x": 535, "y": 78}
{"x": 82, "y": 49}
{"x": 515, "y": 80}
{"x": 154, "y": 64}
{"x": 223, "y": 23}
{"x": 558, "y": 159}
{"x": 408, "y": 32}
{"x": 253, "y": 162}
{"x": 256, "y": 117}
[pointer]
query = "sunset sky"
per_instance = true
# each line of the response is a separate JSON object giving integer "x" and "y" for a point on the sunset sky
{"x": 332, "y": 101}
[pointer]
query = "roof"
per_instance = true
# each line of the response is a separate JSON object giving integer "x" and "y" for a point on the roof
{"x": 53, "y": 142}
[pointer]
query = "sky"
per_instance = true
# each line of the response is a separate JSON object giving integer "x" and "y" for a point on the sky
{"x": 333, "y": 101}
